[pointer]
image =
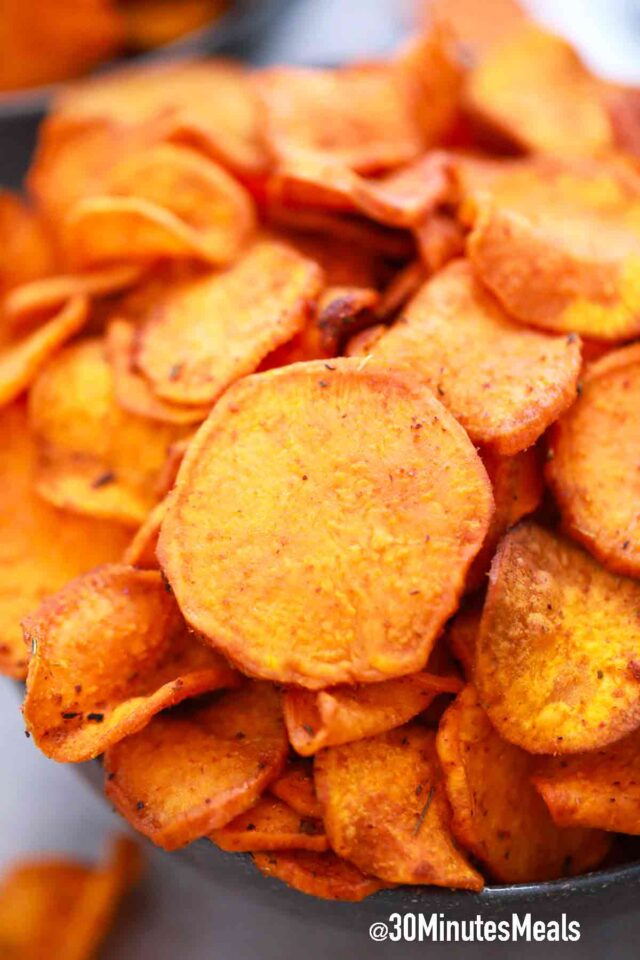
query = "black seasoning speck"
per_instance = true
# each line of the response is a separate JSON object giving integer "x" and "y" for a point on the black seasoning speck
{"x": 70, "y": 715}
{"x": 308, "y": 729}
{"x": 140, "y": 805}
{"x": 95, "y": 717}
{"x": 323, "y": 383}
{"x": 175, "y": 371}
{"x": 103, "y": 479}
{"x": 572, "y": 337}
{"x": 250, "y": 827}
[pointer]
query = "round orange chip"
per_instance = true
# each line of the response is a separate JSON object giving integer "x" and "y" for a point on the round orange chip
{"x": 557, "y": 665}
{"x": 296, "y": 787}
{"x": 109, "y": 651}
{"x": 505, "y": 384}
{"x": 271, "y": 825}
{"x": 195, "y": 769}
{"x": 343, "y": 562}
{"x": 595, "y": 455}
{"x": 320, "y": 875}
{"x": 497, "y": 814}
{"x": 96, "y": 458}
{"x": 51, "y": 293}
{"x": 41, "y": 548}
{"x": 558, "y": 246}
{"x": 205, "y": 334}
{"x": 386, "y": 810}
{"x": 596, "y": 789}
{"x": 341, "y": 714}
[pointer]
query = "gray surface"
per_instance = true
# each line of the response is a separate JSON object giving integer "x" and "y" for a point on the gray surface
{"x": 180, "y": 914}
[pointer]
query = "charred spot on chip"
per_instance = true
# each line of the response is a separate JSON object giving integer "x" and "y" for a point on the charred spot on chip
{"x": 95, "y": 717}
{"x": 103, "y": 479}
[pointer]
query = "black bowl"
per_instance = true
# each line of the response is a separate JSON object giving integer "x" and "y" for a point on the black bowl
{"x": 589, "y": 896}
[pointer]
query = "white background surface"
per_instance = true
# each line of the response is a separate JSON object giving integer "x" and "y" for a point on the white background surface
{"x": 180, "y": 915}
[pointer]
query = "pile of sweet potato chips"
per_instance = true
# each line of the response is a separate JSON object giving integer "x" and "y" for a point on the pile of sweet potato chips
{"x": 321, "y": 512}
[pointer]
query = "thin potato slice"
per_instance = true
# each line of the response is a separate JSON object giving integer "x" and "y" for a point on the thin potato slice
{"x": 386, "y": 810}
{"x": 296, "y": 787}
{"x": 271, "y": 825}
{"x": 61, "y": 909}
{"x": 195, "y": 769}
{"x": 166, "y": 201}
{"x": 497, "y": 814}
{"x": 578, "y": 230}
{"x": 132, "y": 391}
{"x": 206, "y": 334}
{"x": 51, "y": 293}
{"x": 322, "y": 875}
{"x": 518, "y": 485}
{"x": 96, "y": 458}
{"x": 503, "y": 383}
{"x": 339, "y": 715}
{"x": 597, "y": 789}
{"x": 534, "y": 90}
{"x": 593, "y": 470}
{"x": 41, "y": 548}
{"x": 352, "y": 558}
{"x": 557, "y": 659}
{"x": 21, "y": 360}
{"x": 109, "y": 651}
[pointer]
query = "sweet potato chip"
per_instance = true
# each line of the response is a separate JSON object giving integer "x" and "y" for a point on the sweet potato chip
{"x": 21, "y": 359}
{"x": 109, "y": 651}
{"x": 321, "y": 875}
{"x": 141, "y": 551}
{"x": 169, "y": 472}
{"x": 361, "y": 116}
{"x": 195, "y": 769}
{"x": 400, "y": 501}
{"x": 497, "y": 814}
{"x": 208, "y": 333}
{"x": 61, "y": 909}
{"x": 462, "y": 634}
{"x": 41, "y": 548}
{"x": 518, "y": 485}
{"x": 534, "y": 90}
{"x": 401, "y": 288}
{"x": 96, "y": 458}
{"x": 386, "y": 810}
{"x": 166, "y": 201}
{"x": 132, "y": 391}
{"x": 596, "y": 789}
{"x": 271, "y": 825}
{"x": 152, "y": 23}
{"x": 503, "y": 383}
{"x": 26, "y": 248}
{"x": 223, "y": 123}
{"x": 440, "y": 238}
{"x": 549, "y": 216}
{"x": 343, "y": 311}
{"x": 51, "y": 293}
{"x": 593, "y": 469}
{"x": 339, "y": 715}
{"x": 435, "y": 76}
{"x": 557, "y": 660}
{"x": 296, "y": 787}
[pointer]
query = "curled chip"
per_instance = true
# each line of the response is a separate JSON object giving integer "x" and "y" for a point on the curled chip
{"x": 462, "y": 634}
{"x": 386, "y": 810}
{"x": 193, "y": 770}
{"x": 51, "y": 293}
{"x": 372, "y": 503}
{"x": 96, "y": 458}
{"x": 504, "y": 384}
{"x": 557, "y": 659}
{"x": 110, "y": 650}
{"x": 168, "y": 99}
{"x": 597, "y": 789}
{"x": 518, "y": 485}
{"x": 328, "y": 718}
{"x": 497, "y": 814}
{"x": 205, "y": 334}
{"x": 41, "y": 548}
{"x": 534, "y": 90}
{"x": 296, "y": 787}
{"x": 321, "y": 875}
{"x": 440, "y": 238}
{"x": 26, "y": 249}
{"x": 593, "y": 469}
{"x": 62, "y": 909}
{"x": 342, "y": 311}
{"x": 22, "y": 358}
{"x": 132, "y": 391}
{"x": 166, "y": 201}
{"x": 577, "y": 229}
{"x": 271, "y": 825}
